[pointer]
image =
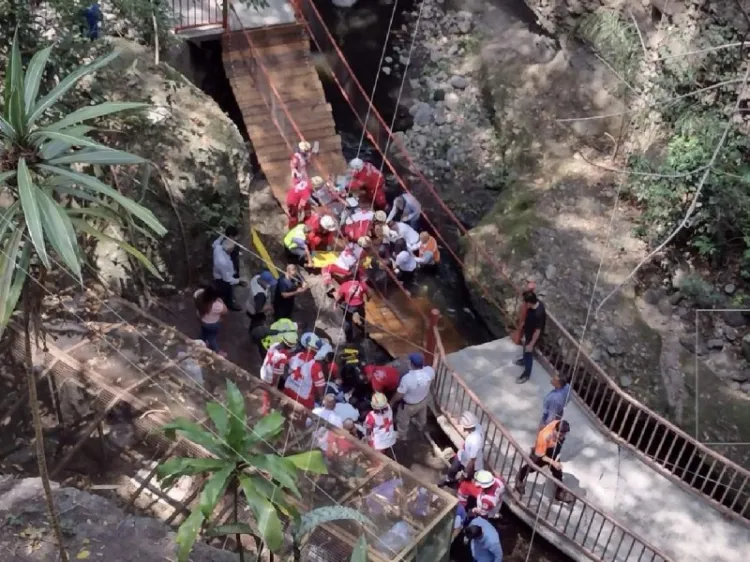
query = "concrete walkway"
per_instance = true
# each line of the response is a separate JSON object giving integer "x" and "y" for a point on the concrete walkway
{"x": 612, "y": 478}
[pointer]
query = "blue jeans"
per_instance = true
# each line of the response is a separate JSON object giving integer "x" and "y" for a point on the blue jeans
{"x": 528, "y": 363}
{"x": 209, "y": 333}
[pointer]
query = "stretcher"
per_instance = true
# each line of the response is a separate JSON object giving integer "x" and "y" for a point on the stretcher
{"x": 322, "y": 259}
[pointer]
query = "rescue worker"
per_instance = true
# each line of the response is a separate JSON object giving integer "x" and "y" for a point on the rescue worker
{"x": 369, "y": 179}
{"x": 324, "y": 357}
{"x": 322, "y": 234}
{"x": 470, "y": 457}
{"x": 379, "y": 429}
{"x": 406, "y": 209}
{"x": 264, "y": 337}
{"x": 404, "y": 264}
{"x": 298, "y": 200}
{"x": 300, "y": 160}
{"x": 257, "y": 303}
{"x": 326, "y": 411}
{"x": 382, "y": 378}
{"x": 295, "y": 243}
{"x": 305, "y": 381}
{"x": 402, "y": 231}
{"x": 273, "y": 369}
{"x": 428, "y": 254}
{"x": 348, "y": 261}
{"x": 411, "y": 396}
{"x": 546, "y": 450}
{"x": 351, "y": 296}
{"x": 489, "y": 498}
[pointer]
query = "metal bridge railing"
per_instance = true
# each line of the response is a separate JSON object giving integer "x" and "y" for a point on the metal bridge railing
{"x": 585, "y": 528}
{"x": 658, "y": 442}
{"x": 190, "y": 14}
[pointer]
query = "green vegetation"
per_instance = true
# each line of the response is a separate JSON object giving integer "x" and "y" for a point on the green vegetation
{"x": 240, "y": 465}
{"x": 49, "y": 197}
{"x": 693, "y": 96}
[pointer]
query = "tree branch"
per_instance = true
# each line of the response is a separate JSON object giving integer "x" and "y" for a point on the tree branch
{"x": 693, "y": 203}
{"x": 638, "y": 30}
{"x": 652, "y": 106}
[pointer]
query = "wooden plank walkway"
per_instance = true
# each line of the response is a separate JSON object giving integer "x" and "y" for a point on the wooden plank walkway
{"x": 280, "y": 55}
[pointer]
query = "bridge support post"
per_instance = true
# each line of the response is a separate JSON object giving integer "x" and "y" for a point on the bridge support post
{"x": 430, "y": 340}
{"x": 225, "y": 15}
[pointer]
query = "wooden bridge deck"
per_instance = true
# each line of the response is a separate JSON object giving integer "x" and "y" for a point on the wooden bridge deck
{"x": 397, "y": 323}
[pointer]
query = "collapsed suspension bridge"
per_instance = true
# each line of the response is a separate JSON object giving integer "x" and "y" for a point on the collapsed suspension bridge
{"x": 267, "y": 59}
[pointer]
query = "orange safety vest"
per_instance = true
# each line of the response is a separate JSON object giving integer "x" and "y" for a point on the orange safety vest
{"x": 430, "y": 246}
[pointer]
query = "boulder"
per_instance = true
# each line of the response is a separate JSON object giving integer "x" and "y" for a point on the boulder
{"x": 459, "y": 82}
{"x": 95, "y": 528}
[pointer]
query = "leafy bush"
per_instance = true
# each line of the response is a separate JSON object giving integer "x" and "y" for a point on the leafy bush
{"x": 723, "y": 211}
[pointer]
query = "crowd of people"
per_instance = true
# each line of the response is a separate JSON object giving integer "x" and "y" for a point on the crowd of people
{"x": 376, "y": 403}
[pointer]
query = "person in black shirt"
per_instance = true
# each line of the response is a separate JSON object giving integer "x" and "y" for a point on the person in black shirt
{"x": 289, "y": 286}
{"x": 533, "y": 328}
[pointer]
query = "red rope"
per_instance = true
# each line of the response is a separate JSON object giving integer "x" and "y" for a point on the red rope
{"x": 398, "y": 177}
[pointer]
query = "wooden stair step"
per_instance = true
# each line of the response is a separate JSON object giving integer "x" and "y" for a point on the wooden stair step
{"x": 273, "y": 141}
{"x": 266, "y": 36}
{"x": 275, "y": 153}
{"x": 291, "y": 106}
{"x": 311, "y": 114}
{"x": 283, "y": 90}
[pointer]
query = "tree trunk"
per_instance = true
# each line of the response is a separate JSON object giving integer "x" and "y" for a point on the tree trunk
{"x": 238, "y": 536}
{"x": 38, "y": 435}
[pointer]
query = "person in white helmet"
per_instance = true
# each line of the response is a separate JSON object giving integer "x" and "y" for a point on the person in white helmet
{"x": 349, "y": 260}
{"x": 323, "y": 228}
{"x": 380, "y": 431}
{"x": 370, "y": 180}
{"x": 275, "y": 363}
{"x": 306, "y": 382}
{"x": 300, "y": 160}
{"x": 470, "y": 457}
{"x": 490, "y": 497}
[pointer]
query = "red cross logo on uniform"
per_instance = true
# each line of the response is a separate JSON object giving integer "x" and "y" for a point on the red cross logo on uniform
{"x": 387, "y": 423}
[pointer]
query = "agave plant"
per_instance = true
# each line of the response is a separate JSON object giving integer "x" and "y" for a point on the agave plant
{"x": 50, "y": 201}
{"x": 47, "y": 203}
{"x": 239, "y": 465}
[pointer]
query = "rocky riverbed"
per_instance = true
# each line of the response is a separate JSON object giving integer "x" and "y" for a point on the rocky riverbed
{"x": 486, "y": 91}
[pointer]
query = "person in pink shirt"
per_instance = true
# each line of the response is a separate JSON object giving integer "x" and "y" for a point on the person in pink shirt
{"x": 211, "y": 309}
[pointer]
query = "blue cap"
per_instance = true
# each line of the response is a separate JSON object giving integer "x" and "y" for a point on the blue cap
{"x": 416, "y": 359}
{"x": 267, "y": 278}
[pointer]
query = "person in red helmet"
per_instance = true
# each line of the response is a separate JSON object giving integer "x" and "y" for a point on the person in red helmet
{"x": 369, "y": 179}
{"x": 322, "y": 233}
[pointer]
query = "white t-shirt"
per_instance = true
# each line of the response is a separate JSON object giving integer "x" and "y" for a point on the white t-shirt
{"x": 321, "y": 434}
{"x": 346, "y": 411}
{"x": 415, "y": 385}
{"x": 329, "y": 415}
{"x": 406, "y": 261}
{"x": 472, "y": 449}
{"x": 410, "y": 236}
